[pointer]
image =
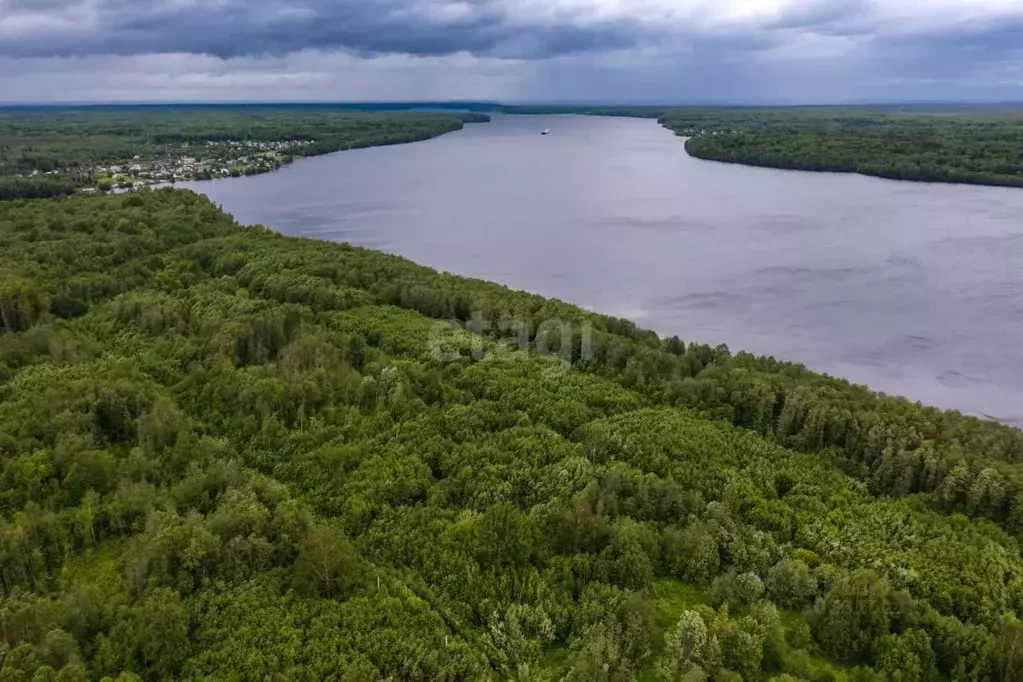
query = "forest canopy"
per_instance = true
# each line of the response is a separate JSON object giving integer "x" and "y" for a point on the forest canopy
{"x": 230, "y": 454}
{"x": 971, "y": 148}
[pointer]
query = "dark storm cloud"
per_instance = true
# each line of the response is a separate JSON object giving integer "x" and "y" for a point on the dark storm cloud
{"x": 1006, "y": 36}
{"x": 33, "y": 5}
{"x": 644, "y": 50}
{"x": 492, "y": 28}
{"x": 232, "y": 28}
{"x": 830, "y": 17}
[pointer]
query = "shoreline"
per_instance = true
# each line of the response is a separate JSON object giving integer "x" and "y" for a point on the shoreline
{"x": 750, "y": 163}
{"x": 663, "y": 119}
{"x": 300, "y": 159}
{"x": 295, "y": 159}
{"x": 215, "y": 154}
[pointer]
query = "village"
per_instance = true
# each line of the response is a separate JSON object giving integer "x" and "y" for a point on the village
{"x": 203, "y": 161}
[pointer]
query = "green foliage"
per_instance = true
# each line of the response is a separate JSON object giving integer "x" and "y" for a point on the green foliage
{"x": 612, "y": 640}
{"x": 228, "y": 454}
{"x": 51, "y": 153}
{"x": 908, "y": 657}
{"x": 692, "y": 554}
{"x": 327, "y": 565}
{"x": 982, "y": 149}
{"x": 791, "y": 584}
{"x": 854, "y": 615}
{"x": 685, "y": 648}
{"x": 150, "y": 636}
{"x": 737, "y": 589}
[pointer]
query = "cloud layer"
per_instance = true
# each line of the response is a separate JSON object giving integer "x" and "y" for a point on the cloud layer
{"x": 528, "y": 29}
{"x": 519, "y": 48}
{"x": 233, "y": 28}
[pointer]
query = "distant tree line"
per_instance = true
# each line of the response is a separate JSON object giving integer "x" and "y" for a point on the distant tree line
{"x": 52, "y": 152}
{"x": 968, "y": 149}
{"x": 980, "y": 145}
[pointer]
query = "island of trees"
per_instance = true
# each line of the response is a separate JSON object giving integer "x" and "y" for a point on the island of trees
{"x": 228, "y": 454}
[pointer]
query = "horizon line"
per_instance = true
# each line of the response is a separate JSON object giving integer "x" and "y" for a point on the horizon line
{"x": 509, "y": 103}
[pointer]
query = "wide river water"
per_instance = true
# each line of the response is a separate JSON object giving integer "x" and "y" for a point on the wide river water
{"x": 911, "y": 288}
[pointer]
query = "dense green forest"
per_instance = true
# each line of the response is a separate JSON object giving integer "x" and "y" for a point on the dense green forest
{"x": 229, "y": 454}
{"x": 53, "y": 152}
{"x": 973, "y": 151}
{"x": 964, "y": 148}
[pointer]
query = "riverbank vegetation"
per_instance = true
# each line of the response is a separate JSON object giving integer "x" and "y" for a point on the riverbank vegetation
{"x": 53, "y": 152}
{"x": 980, "y": 144}
{"x": 229, "y": 454}
{"x": 959, "y": 149}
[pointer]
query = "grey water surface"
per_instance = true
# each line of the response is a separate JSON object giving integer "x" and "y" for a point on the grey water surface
{"x": 913, "y": 289}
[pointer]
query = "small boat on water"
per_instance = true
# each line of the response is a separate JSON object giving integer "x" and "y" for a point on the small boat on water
{"x": 546, "y": 131}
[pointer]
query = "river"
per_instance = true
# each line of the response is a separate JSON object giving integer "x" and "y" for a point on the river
{"x": 914, "y": 289}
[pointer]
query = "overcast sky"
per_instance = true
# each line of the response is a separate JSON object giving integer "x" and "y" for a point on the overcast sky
{"x": 666, "y": 51}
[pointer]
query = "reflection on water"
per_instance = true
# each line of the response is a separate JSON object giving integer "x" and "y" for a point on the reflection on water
{"x": 913, "y": 289}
